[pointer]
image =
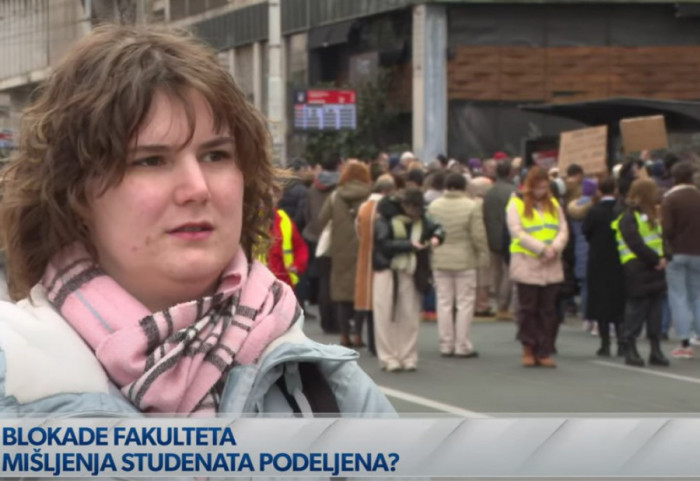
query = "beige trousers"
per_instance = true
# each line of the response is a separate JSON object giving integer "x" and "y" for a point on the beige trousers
{"x": 455, "y": 288}
{"x": 396, "y": 326}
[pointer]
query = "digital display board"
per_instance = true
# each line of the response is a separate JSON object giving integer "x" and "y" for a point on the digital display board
{"x": 325, "y": 110}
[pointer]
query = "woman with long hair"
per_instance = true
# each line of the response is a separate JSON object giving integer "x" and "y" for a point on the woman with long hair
{"x": 341, "y": 207}
{"x": 640, "y": 246}
{"x": 539, "y": 234}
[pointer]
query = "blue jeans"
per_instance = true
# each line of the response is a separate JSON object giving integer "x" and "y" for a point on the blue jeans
{"x": 683, "y": 277}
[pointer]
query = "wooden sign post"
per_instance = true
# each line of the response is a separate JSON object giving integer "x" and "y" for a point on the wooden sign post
{"x": 585, "y": 147}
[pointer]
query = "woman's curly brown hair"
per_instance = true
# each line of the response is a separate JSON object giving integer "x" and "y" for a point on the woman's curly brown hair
{"x": 79, "y": 127}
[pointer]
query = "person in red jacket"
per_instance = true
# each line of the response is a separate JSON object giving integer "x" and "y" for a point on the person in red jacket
{"x": 285, "y": 239}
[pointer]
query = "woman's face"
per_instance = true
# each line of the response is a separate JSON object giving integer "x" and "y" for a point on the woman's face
{"x": 541, "y": 190}
{"x": 170, "y": 227}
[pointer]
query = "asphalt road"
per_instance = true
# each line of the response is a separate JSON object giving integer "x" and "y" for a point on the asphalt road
{"x": 495, "y": 383}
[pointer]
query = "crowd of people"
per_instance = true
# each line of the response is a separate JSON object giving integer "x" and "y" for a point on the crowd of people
{"x": 392, "y": 240}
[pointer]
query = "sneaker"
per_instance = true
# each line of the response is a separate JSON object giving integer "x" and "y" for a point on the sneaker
{"x": 410, "y": 367}
{"x": 682, "y": 353}
{"x": 694, "y": 341}
{"x": 393, "y": 367}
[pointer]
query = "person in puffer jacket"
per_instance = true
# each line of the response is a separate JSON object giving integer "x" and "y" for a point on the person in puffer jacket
{"x": 403, "y": 235}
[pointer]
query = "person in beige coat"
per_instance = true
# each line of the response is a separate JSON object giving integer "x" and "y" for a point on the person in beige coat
{"x": 478, "y": 187}
{"x": 455, "y": 265}
{"x": 539, "y": 234}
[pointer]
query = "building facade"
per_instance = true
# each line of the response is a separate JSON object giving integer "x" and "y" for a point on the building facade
{"x": 459, "y": 69}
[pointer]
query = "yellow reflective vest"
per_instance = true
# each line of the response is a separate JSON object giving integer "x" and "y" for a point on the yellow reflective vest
{"x": 543, "y": 226}
{"x": 652, "y": 238}
{"x": 287, "y": 246}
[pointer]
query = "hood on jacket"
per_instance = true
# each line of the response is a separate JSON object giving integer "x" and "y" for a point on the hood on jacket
{"x": 389, "y": 207}
{"x": 353, "y": 191}
{"x": 326, "y": 180}
{"x": 578, "y": 208}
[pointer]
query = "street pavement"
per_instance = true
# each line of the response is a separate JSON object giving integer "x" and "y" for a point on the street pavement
{"x": 495, "y": 383}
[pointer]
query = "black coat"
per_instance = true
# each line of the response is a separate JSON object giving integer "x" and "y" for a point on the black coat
{"x": 642, "y": 279}
{"x": 293, "y": 202}
{"x": 386, "y": 246}
{"x": 604, "y": 275}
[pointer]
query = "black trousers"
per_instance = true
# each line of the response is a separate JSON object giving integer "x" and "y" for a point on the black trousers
{"x": 639, "y": 312}
{"x": 326, "y": 308}
{"x": 538, "y": 317}
{"x": 347, "y": 319}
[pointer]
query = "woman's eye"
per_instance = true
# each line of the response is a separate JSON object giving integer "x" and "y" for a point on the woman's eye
{"x": 216, "y": 156}
{"x": 149, "y": 162}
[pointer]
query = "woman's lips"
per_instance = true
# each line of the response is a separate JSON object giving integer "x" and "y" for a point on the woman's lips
{"x": 192, "y": 232}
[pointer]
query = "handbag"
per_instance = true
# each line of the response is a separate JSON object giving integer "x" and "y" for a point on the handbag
{"x": 323, "y": 248}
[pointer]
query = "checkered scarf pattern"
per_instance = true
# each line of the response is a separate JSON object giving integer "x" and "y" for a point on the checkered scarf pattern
{"x": 173, "y": 361}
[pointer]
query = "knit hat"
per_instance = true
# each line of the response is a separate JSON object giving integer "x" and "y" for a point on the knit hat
{"x": 474, "y": 163}
{"x": 588, "y": 187}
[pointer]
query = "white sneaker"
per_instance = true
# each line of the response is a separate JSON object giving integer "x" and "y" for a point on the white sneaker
{"x": 694, "y": 341}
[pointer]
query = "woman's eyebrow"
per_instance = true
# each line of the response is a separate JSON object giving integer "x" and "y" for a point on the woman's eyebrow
{"x": 217, "y": 142}
{"x": 160, "y": 148}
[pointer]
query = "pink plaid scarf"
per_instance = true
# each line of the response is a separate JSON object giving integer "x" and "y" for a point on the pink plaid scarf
{"x": 171, "y": 361}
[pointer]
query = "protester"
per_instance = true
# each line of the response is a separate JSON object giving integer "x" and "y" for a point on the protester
{"x": 577, "y": 210}
{"x": 287, "y": 256}
{"x": 455, "y": 265}
{"x": 294, "y": 193}
{"x": 366, "y": 218}
{"x": 436, "y": 187}
{"x": 354, "y": 186}
{"x": 129, "y": 215}
{"x": 640, "y": 247}
{"x": 320, "y": 261}
{"x": 605, "y": 280}
{"x": 478, "y": 187}
{"x": 402, "y": 233}
{"x": 574, "y": 178}
{"x": 494, "y": 213}
{"x": 539, "y": 234}
{"x": 680, "y": 214}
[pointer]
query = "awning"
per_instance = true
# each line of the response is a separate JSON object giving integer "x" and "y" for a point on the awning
{"x": 329, "y": 35}
{"x": 681, "y": 115}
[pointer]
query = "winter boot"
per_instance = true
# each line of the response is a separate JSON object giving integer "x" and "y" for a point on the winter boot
{"x": 632, "y": 357}
{"x": 657, "y": 358}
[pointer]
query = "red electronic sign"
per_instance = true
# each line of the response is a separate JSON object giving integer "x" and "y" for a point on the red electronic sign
{"x": 330, "y": 96}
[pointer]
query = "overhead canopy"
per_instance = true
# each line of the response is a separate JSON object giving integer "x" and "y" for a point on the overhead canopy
{"x": 329, "y": 35}
{"x": 681, "y": 115}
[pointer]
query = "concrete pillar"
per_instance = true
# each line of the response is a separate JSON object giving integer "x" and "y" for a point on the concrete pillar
{"x": 275, "y": 83}
{"x": 232, "y": 62}
{"x": 257, "y": 76}
{"x": 429, "y": 81}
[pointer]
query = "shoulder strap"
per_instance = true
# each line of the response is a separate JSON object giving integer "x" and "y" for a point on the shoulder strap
{"x": 315, "y": 388}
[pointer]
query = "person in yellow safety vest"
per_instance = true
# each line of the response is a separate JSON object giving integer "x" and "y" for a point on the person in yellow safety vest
{"x": 640, "y": 245}
{"x": 538, "y": 233}
{"x": 287, "y": 255}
